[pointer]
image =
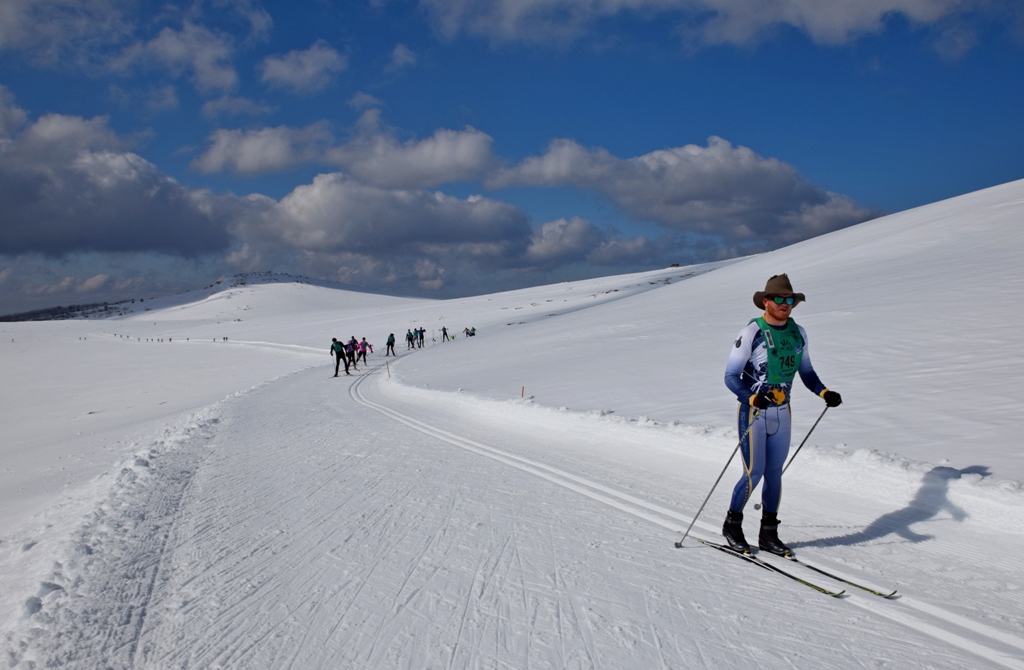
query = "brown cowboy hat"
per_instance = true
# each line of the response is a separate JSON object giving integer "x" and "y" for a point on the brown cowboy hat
{"x": 777, "y": 285}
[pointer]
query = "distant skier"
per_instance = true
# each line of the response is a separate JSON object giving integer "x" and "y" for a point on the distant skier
{"x": 338, "y": 350}
{"x": 444, "y": 334}
{"x": 767, "y": 356}
{"x": 420, "y": 334}
{"x": 390, "y": 351}
{"x": 409, "y": 339}
{"x": 351, "y": 347}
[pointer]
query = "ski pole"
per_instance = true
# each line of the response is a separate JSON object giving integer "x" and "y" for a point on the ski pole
{"x": 679, "y": 544}
{"x": 805, "y": 439}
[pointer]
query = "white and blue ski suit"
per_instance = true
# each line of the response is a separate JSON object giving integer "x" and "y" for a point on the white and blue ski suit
{"x": 765, "y": 447}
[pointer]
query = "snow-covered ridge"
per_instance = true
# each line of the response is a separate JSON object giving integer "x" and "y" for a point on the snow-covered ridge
{"x": 129, "y": 306}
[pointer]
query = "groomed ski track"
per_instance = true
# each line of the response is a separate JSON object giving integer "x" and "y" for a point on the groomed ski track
{"x": 315, "y": 522}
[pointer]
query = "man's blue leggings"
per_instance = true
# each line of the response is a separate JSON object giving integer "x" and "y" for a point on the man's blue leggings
{"x": 764, "y": 452}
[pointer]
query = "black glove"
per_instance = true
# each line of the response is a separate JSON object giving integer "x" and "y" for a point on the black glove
{"x": 832, "y": 399}
{"x": 759, "y": 401}
{"x": 766, "y": 400}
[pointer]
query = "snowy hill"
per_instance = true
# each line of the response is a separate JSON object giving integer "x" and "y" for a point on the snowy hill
{"x": 190, "y": 487}
{"x": 133, "y": 306}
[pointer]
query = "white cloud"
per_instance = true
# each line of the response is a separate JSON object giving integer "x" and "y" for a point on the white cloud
{"x": 716, "y": 21}
{"x": 368, "y": 235}
{"x": 195, "y": 49}
{"x": 260, "y": 22}
{"x": 68, "y": 185}
{"x": 729, "y": 192}
{"x": 65, "y": 284}
{"x": 336, "y": 213}
{"x": 245, "y": 258}
{"x": 227, "y": 105}
{"x": 51, "y": 31}
{"x": 835, "y": 22}
{"x": 162, "y": 98}
{"x": 264, "y": 150}
{"x": 377, "y": 157}
{"x": 373, "y": 155}
{"x": 622, "y": 251}
{"x": 59, "y": 138}
{"x": 955, "y": 42}
{"x": 105, "y": 201}
{"x": 304, "y": 71}
{"x": 576, "y": 240}
{"x": 363, "y": 100}
{"x": 12, "y": 117}
{"x": 719, "y": 189}
{"x": 85, "y": 33}
{"x": 92, "y": 283}
{"x": 402, "y": 56}
{"x": 563, "y": 240}
{"x": 429, "y": 274}
{"x": 128, "y": 282}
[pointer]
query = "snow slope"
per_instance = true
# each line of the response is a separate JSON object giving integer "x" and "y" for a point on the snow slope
{"x": 189, "y": 487}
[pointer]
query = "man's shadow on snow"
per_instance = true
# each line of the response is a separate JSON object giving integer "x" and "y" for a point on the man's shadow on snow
{"x": 931, "y": 499}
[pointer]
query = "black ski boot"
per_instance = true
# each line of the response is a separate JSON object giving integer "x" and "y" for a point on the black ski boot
{"x": 768, "y": 539}
{"x": 732, "y": 530}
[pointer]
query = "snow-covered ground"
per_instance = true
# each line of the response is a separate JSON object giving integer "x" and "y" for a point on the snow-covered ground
{"x": 189, "y": 487}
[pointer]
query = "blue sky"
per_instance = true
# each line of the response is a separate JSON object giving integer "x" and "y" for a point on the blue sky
{"x": 444, "y": 148}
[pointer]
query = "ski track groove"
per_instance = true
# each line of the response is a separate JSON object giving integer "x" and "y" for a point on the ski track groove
{"x": 462, "y": 620}
{"x": 301, "y": 646}
{"x": 523, "y": 591}
{"x": 162, "y": 553}
{"x": 560, "y": 618}
{"x": 431, "y": 543}
{"x": 655, "y": 638}
{"x": 899, "y": 611}
{"x": 705, "y": 661}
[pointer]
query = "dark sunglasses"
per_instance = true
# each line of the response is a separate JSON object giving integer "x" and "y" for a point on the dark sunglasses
{"x": 779, "y": 300}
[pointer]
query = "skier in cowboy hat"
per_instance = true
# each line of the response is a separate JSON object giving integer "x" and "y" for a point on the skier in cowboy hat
{"x": 768, "y": 355}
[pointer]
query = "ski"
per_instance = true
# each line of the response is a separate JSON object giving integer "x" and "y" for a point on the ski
{"x": 876, "y": 592}
{"x": 750, "y": 558}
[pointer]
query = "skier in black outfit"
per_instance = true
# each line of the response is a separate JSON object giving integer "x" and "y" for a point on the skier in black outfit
{"x": 350, "y": 348}
{"x": 338, "y": 351}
